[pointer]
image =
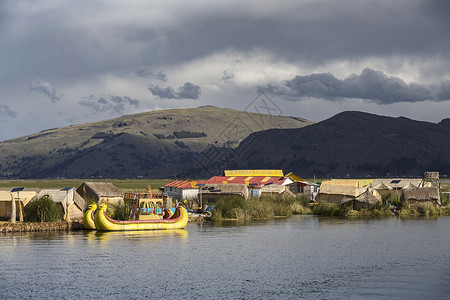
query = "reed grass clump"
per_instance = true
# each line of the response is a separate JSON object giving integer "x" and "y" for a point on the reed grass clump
{"x": 42, "y": 210}
{"x": 429, "y": 210}
{"x": 390, "y": 197}
{"x": 346, "y": 210}
{"x": 445, "y": 201}
{"x": 426, "y": 209}
{"x": 300, "y": 209}
{"x": 329, "y": 210}
{"x": 265, "y": 207}
{"x": 378, "y": 210}
{"x": 117, "y": 211}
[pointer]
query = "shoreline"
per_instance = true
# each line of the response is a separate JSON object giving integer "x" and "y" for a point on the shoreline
{"x": 6, "y": 226}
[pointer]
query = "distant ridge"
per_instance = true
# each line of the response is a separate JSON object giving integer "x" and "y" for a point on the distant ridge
{"x": 150, "y": 144}
{"x": 349, "y": 144}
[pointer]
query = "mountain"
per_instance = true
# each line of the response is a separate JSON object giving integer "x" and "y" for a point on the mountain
{"x": 354, "y": 144}
{"x": 150, "y": 144}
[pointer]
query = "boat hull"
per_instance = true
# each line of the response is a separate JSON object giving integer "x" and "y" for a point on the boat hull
{"x": 178, "y": 221}
{"x": 88, "y": 219}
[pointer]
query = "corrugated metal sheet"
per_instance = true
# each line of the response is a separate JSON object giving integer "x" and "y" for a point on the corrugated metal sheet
{"x": 257, "y": 173}
{"x": 184, "y": 184}
{"x": 294, "y": 177}
{"x": 364, "y": 182}
{"x": 259, "y": 180}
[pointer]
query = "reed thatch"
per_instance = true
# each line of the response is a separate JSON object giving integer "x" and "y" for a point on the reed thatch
{"x": 382, "y": 186}
{"x": 330, "y": 192}
{"x": 366, "y": 199}
{"x": 409, "y": 185}
{"x": 276, "y": 189}
{"x": 403, "y": 182}
{"x": 343, "y": 182}
{"x": 427, "y": 184}
{"x": 345, "y": 190}
{"x": 222, "y": 189}
{"x": 100, "y": 192}
{"x": 5, "y": 202}
{"x": 102, "y": 189}
{"x": 419, "y": 196}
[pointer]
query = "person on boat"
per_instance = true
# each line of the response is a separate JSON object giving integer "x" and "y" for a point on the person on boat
{"x": 202, "y": 209}
{"x": 183, "y": 203}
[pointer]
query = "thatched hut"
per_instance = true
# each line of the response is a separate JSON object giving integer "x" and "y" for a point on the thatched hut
{"x": 6, "y": 205}
{"x": 212, "y": 192}
{"x": 101, "y": 192}
{"x": 381, "y": 186}
{"x": 399, "y": 182}
{"x": 420, "y": 196}
{"x": 330, "y": 192}
{"x": 70, "y": 204}
{"x": 270, "y": 190}
{"x": 366, "y": 199}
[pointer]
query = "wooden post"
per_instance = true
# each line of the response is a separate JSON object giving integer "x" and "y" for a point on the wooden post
{"x": 67, "y": 207}
{"x": 20, "y": 210}
{"x": 13, "y": 209}
{"x": 13, "y": 204}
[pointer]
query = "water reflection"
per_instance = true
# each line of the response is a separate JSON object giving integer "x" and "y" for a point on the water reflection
{"x": 144, "y": 235}
{"x": 292, "y": 258}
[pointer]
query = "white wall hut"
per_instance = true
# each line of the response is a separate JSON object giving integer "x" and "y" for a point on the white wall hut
{"x": 71, "y": 205}
{"x": 101, "y": 192}
{"x": 181, "y": 189}
{"x": 6, "y": 199}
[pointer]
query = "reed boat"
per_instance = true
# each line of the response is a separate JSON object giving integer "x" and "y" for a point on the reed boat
{"x": 89, "y": 215}
{"x": 179, "y": 220}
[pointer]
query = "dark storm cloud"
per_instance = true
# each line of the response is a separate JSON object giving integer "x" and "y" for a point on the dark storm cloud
{"x": 45, "y": 88}
{"x": 163, "y": 92}
{"x": 189, "y": 91}
{"x": 186, "y": 91}
{"x": 310, "y": 31}
{"x": 370, "y": 85}
{"x": 7, "y": 112}
{"x": 110, "y": 104}
{"x": 146, "y": 72}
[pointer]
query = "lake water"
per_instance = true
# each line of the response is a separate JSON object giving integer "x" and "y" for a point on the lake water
{"x": 302, "y": 257}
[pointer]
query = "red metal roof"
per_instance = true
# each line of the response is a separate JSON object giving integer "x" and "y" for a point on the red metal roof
{"x": 184, "y": 184}
{"x": 259, "y": 180}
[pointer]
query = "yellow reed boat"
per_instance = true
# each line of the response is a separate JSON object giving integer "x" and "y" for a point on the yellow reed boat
{"x": 178, "y": 220}
{"x": 89, "y": 215}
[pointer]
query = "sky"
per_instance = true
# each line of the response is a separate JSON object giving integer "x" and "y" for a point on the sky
{"x": 72, "y": 62}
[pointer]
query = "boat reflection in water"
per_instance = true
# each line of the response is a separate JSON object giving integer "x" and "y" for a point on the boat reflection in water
{"x": 138, "y": 235}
